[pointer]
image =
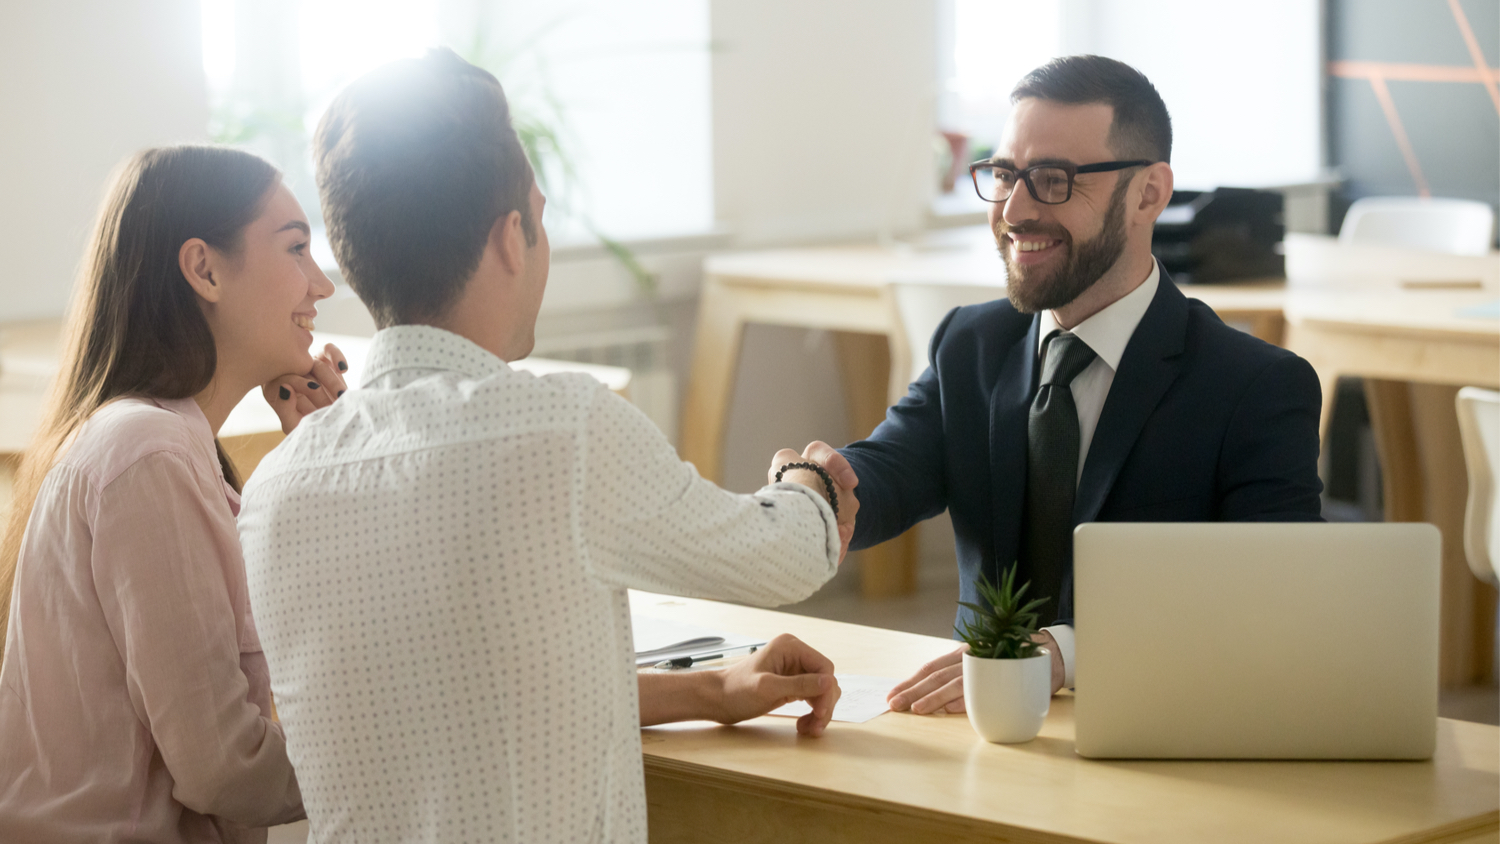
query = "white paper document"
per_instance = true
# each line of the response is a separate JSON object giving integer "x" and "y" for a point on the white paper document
{"x": 863, "y": 698}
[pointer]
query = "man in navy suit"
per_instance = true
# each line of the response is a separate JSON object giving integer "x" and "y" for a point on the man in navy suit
{"x": 1097, "y": 392}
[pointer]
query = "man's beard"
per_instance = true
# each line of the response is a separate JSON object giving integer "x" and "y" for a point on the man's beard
{"x": 1032, "y": 289}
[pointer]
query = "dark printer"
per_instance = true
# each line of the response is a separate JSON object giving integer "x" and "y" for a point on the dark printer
{"x": 1221, "y": 235}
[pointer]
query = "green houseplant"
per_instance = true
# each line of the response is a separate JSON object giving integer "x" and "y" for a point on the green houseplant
{"x": 1007, "y": 674}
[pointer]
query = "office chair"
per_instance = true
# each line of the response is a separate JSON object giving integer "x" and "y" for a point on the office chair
{"x": 1454, "y": 226}
{"x": 1479, "y": 428}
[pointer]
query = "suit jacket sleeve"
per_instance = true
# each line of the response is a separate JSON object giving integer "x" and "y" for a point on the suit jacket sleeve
{"x": 1269, "y": 468}
{"x": 900, "y": 466}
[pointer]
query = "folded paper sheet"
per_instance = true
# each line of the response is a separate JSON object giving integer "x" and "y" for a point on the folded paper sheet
{"x": 863, "y": 698}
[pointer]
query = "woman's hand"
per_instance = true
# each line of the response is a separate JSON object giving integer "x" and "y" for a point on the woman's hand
{"x": 295, "y": 396}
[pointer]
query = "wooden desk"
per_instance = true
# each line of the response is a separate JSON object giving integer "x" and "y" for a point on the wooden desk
{"x": 1415, "y": 351}
{"x": 29, "y": 359}
{"x": 909, "y": 778}
{"x": 847, "y": 291}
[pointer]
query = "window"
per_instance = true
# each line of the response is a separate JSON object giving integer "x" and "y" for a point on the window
{"x": 986, "y": 47}
{"x": 624, "y": 86}
{"x": 1242, "y": 81}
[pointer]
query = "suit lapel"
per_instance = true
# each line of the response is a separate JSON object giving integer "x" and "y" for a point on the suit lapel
{"x": 1008, "y": 412}
{"x": 1152, "y": 361}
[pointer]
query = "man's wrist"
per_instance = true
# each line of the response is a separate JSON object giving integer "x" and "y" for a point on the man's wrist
{"x": 824, "y": 483}
{"x": 682, "y": 696}
{"x": 807, "y": 478}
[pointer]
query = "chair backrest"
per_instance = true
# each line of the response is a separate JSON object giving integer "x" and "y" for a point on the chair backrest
{"x": 1479, "y": 428}
{"x": 922, "y": 306}
{"x": 1455, "y": 226}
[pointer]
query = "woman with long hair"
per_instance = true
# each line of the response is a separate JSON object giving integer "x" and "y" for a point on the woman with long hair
{"x": 134, "y": 697}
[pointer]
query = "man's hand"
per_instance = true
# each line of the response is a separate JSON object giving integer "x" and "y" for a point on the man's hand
{"x": 938, "y": 686}
{"x": 783, "y": 671}
{"x": 293, "y": 396}
{"x": 844, "y": 482}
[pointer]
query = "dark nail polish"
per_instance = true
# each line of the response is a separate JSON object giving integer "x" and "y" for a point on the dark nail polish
{"x": 341, "y": 392}
{"x": 284, "y": 393}
{"x": 312, "y": 385}
{"x": 343, "y": 367}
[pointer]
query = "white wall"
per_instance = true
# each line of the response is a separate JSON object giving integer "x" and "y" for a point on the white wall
{"x": 1243, "y": 81}
{"x": 822, "y": 117}
{"x": 823, "y": 122}
{"x": 83, "y": 84}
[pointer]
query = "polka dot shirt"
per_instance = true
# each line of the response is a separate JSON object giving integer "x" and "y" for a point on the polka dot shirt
{"x": 437, "y": 566}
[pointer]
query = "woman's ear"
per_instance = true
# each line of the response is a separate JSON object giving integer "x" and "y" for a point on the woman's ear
{"x": 196, "y": 262}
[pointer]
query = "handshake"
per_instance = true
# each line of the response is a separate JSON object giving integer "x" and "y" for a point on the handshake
{"x": 840, "y": 473}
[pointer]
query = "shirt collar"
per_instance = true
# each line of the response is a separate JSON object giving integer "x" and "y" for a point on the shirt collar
{"x": 426, "y": 347}
{"x": 192, "y": 414}
{"x": 1108, "y": 331}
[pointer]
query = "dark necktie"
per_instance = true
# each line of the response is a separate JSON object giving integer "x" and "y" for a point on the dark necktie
{"x": 1052, "y": 471}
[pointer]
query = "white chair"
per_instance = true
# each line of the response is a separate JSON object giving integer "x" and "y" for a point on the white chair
{"x": 1454, "y": 226}
{"x": 1479, "y": 428}
{"x": 922, "y": 306}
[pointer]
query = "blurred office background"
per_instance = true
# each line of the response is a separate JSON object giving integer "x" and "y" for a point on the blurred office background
{"x": 668, "y": 130}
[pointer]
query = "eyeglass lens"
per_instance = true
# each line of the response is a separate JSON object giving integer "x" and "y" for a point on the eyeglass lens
{"x": 997, "y": 183}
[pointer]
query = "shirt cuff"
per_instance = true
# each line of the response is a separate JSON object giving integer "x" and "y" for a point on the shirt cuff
{"x": 830, "y": 521}
{"x": 1063, "y": 635}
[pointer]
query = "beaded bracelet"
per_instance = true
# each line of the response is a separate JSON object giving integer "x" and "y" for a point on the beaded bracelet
{"x": 833, "y": 497}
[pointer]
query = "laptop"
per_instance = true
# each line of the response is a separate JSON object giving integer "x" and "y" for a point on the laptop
{"x": 1256, "y": 640}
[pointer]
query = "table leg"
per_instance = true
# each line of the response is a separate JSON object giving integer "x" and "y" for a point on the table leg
{"x": 1424, "y": 479}
{"x": 1270, "y": 327}
{"x": 890, "y": 568}
{"x": 705, "y": 407}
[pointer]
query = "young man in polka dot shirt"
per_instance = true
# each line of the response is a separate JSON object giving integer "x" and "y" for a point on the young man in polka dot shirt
{"x": 438, "y": 562}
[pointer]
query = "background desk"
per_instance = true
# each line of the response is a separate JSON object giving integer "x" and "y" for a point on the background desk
{"x": 1415, "y": 351}
{"x": 909, "y": 778}
{"x": 847, "y": 291}
{"x": 29, "y": 359}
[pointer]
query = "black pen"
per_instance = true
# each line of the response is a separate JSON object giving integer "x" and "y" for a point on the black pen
{"x": 690, "y": 661}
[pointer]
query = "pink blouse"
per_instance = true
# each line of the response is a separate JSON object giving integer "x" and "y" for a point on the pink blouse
{"x": 135, "y": 703}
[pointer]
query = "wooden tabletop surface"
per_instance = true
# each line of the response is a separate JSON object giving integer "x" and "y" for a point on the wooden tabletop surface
{"x": 935, "y": 769}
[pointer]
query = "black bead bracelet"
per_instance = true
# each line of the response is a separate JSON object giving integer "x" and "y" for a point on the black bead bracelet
{"x": 833, "y": 497}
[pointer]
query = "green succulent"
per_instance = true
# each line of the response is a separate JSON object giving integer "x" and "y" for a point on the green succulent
{"x": 1003, "y": 628}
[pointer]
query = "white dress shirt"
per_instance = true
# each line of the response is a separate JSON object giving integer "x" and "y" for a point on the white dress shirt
{"x": 1107, "y": 332}
{"x": 438, "y": 565}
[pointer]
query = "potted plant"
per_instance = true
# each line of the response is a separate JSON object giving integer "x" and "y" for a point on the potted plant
{"x": 1007, "y": 675}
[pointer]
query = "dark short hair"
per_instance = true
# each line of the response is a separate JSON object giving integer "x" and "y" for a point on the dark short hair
{"x": 1141, "y": 127}
{"x": 416, "y": 160}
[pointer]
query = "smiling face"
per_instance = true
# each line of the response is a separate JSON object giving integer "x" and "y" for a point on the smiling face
{"x": 1054, "y": 253}
{"x": 262, "y": 320}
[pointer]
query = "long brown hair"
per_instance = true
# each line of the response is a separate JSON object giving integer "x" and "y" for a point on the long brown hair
{"x": 135, "y": 327}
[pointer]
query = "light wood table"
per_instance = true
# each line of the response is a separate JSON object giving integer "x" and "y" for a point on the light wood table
{"x": 910, "y": 778}
{"x": 847, "y": 290}
{"x": 29, "y": 359}
{"x": 1415, "y": 350}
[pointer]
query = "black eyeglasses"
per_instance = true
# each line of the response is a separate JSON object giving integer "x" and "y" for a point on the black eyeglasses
{"x": 1050, "y": 184}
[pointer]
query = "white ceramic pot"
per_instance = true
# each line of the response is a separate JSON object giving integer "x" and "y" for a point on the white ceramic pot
{"x": 1007, "y": 699}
